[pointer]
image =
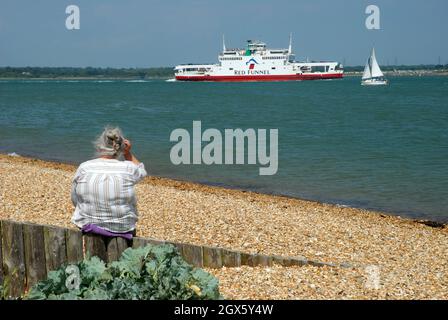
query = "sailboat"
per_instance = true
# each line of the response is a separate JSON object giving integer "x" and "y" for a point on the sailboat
{"x": 373, "y": 76}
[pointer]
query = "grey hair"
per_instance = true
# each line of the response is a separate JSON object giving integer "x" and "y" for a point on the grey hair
{"x": 110, "y": 142}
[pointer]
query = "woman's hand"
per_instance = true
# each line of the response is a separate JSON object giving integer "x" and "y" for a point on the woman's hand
{"x": 127, "y": 147}
{"x": 127, "y": 152}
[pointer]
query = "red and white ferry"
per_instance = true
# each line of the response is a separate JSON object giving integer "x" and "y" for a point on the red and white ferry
{"x": 258, "y": 63}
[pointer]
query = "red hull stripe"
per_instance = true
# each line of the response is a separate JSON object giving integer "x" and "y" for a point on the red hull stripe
{"x": 288, "y": 77}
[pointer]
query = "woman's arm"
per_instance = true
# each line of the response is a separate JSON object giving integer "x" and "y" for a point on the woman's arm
{"x": 127, "y": 152}
{"x": 139, "y": 172}
{"x": 74, "y": 197}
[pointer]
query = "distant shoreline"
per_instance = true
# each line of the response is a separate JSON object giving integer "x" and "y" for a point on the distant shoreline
{"x": 404, "y": 73}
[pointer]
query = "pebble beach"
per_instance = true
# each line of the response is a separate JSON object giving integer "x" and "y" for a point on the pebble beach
{"x": 386, "y": 257}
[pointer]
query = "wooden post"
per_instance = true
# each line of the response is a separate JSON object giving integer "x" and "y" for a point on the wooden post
{"x": 55, "y": 247}
{"x": 1, "y": 256}
{"x": 193, "y": 255}
{"x": 278, "y": 260}
{"x": 34, "y": 244}
{"x": 247, "y": 259}
{"x": 179, "y": 246}
{"x": 115, "y": 247}
{"x": 73, "y": 238}
{"x": 13, "y": 257}
{"x": 122, "y": 244}
{"x": 231, "y": 258}
{"x": 95, "y": 246}
{"x": 263, "y": 260}
{"x": 155, "y": 242}
{"x": 298, "y": 261}
{"x": 212, "y": 257}
{"x": 138, "y": 242}
{"x": 112, "y": 250}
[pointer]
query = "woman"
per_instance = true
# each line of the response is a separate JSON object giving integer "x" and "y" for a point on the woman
{"x": 103, "y": 188}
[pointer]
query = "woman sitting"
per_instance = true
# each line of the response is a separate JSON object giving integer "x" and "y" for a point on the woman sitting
{"x": 103, "y": 188}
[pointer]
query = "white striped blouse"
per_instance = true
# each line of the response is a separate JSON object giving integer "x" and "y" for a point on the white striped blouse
{"x": 103, "y": 194}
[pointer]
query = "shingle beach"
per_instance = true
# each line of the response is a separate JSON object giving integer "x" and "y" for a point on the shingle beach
{"x": 386, "y": 257}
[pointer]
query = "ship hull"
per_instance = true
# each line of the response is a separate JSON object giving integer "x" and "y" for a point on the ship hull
{"x": 255, "y": 78}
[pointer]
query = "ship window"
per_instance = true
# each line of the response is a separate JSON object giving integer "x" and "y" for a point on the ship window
{"x": 318, "y": 68}
{"x": 230, "y": 68}
{"x": 273, "y": 68}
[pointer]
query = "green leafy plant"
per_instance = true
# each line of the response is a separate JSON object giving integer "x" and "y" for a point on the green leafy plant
{"x": 151, "y": 272}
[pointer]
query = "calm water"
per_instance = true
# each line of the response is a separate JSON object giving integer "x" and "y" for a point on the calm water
{"x": 383, "y": 148}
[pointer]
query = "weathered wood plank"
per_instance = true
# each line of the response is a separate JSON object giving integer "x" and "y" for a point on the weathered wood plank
{"x": 212, "y": 257}
{"x": 247, "y": 259}
{"x": 73, "y": 239}
{"x": 298, "y": 261}
{"x": 13, "y": 257}
{"x": 95, "y": 246}
{"x": 122, "y": 244}
{"x": 138, "y": 242}
{"x": 179, "y": 246}
{"x": 287, "y": 262}
{"x": 231, "y": 258}
{"x": 193, "y": 255}
{"x": 263, "y": 260}
{"x": 112, "y": 248}
{"x": 155, "y": 242}
{"x": 55, "y": 247}
{"x": 278, "y": 260}
{"x": 34, "y": 245}
{"x": 1, "y": 256}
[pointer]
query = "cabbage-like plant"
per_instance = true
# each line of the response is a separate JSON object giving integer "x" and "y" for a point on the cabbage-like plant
{"x": 151, "y": 272}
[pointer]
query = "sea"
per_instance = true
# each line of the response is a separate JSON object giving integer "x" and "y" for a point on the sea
{"x": 383, "y": 148}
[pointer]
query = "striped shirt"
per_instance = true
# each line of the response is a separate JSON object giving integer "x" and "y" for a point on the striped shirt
{"x": 103, "y": 194}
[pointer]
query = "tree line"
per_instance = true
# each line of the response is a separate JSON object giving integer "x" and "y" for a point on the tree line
{"x": 426, "y": 67}
{"x": 89, "y": 72}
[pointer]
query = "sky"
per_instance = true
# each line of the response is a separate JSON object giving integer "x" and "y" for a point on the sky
{"x": 155, "y": 33}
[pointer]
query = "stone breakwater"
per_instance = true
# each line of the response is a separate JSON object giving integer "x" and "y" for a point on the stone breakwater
{"x": 409, "y": 258}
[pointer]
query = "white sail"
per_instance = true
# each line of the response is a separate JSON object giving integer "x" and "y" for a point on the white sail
{"x": 372, "y": 69}
{"x": 367, "y": 74}
{"x": 375, "y": 68}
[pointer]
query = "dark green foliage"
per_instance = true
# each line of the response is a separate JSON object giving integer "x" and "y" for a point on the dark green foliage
{"x": 151, "y": 272}
{"x": 399, "y": 68}
{"x": 89, "y": 72}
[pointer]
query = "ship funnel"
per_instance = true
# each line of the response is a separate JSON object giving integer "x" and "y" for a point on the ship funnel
{"x": 223, "y": 43}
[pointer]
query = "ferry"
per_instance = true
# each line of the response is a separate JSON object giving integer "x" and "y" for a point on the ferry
{"x": 258, "y": 63}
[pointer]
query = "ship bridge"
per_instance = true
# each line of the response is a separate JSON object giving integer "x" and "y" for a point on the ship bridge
{"x": 256, "y": 45}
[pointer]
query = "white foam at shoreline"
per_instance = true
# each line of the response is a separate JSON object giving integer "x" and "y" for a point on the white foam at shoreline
{"x": 13, "y": 154}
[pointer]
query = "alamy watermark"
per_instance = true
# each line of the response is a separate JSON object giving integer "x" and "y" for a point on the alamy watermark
{"x": 189, "y": 149}
{"x": 73, "y": 280}
{"x": 73, "y": 21}
{"x": 373, "y": 18}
